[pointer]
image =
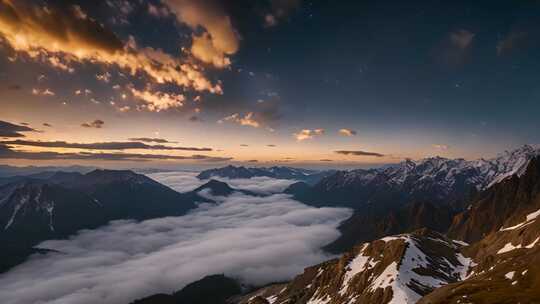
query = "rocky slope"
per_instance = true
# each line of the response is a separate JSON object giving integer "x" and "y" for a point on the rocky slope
{"x": 505, "y": 227}
{"x": 398, "y": 269}
{"x": 504, "y": 204}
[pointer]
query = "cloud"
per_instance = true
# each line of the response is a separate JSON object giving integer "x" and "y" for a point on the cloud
{"x": 6, "y": 152}
{"x": 455, "y": 48}
{"x": 280, "y": 9}
{"x": 308, "y": 134}
{"x": 462, "y": 38}
{"x": 347, "y": 132}
{"x": 60, "y": 36}
{"x": 184, "y": 182}
{"x": 255, "y": 239}
{"x": 326, "y": 160}
{"x": 99, "y": 145}
{"x": 97, "y": 124}
{"x": 152, "y": 140}
{"x": 441, "y": 147}
{"x": 159, "y": 101}
{"x": 8, "y": 129}
{"x": 514, "y": 40}
{"x": 194, "y": 118}
{"x": 45, "y": 124}
{"x": 246, "y": 120}
{"x": 44, "y": 92}
{"x": 252, "y": 161}
{"x": 105, "y": 77}
{"x": 359, "y": 153}
{"x": 219, "y": 40}
{"x": 158, "y": 11}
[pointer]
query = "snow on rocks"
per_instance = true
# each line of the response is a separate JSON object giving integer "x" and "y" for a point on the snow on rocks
{"x": 530, "y": 218}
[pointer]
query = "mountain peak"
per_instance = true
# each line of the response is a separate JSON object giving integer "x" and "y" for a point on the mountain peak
{"x": 217, "y": 188}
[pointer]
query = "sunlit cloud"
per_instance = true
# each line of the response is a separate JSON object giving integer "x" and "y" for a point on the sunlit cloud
{"x": 61, "y": 37}
{"x": 308, "y": 134}
{"x": 159, "y": 101}
{"x": 44, "y": 92}
{"x": 441, "y": 147}
{"x": 6, "y": 152}
{"x": 100, "y": 145}
{"x": 105, "y": 77}
{"x": 246, "y": 120}
{"x": 96, "y": 124}
{"x": 219, "y": 40}
{"x": 347, "y": 132}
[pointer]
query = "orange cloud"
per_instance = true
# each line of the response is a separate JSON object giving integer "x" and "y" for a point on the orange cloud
{"x": 308, "y": 134}
{"x": 347, "y": 132}
{"x": 246, "y": 120}
{"x": 220, "y": 39}
{"x": 61, "y": 37}
{"x": 159, "y": 101}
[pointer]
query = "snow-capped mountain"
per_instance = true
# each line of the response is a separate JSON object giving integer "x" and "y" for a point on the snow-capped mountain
{"x": 279, "y": 172}
{"x": 433, "y": 178}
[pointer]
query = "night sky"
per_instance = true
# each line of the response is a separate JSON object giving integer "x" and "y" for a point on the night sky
{"x": 195, "y": 83}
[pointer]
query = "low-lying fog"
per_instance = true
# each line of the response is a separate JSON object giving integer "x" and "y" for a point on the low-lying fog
{"x": 255, "y": 239}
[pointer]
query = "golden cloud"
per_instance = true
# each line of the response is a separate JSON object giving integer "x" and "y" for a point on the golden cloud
{"x": 308, "y": 134}
{"x": 220, "y": 39}
{"x": 60, "y": 36}
{"x": 159, "y": 101}
{"x": 246, "y": 120}
{"x": 347, "y": 132}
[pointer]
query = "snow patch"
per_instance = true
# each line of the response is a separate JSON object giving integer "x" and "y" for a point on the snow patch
{"x": 528, "y": 220}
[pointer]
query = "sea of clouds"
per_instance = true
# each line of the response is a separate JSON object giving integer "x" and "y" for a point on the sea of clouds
{"x": 255, "y": 239}
{"x": 187, "y": 181}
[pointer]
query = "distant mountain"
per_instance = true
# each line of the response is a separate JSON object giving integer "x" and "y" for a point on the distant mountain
{"x": 388, "y": 200}
{"x": 398, "y": 269}
{"x": 7, "y": 171}
{"x": 432, "y": 179}
{"x": 214, "y": 289}
{"x": 305, "y": 175}
{"x": 33, "y": 210}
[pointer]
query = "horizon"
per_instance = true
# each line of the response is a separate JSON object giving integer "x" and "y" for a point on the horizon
{"x": 194, "y": 168}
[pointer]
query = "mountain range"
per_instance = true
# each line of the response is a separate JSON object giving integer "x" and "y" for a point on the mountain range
{"x": 307, "y": 176}
{"x": 409, "y": 195}
{"x": 57, "y": 205}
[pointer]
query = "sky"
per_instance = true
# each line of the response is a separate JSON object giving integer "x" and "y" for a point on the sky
{"x": 202, "y": 83}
